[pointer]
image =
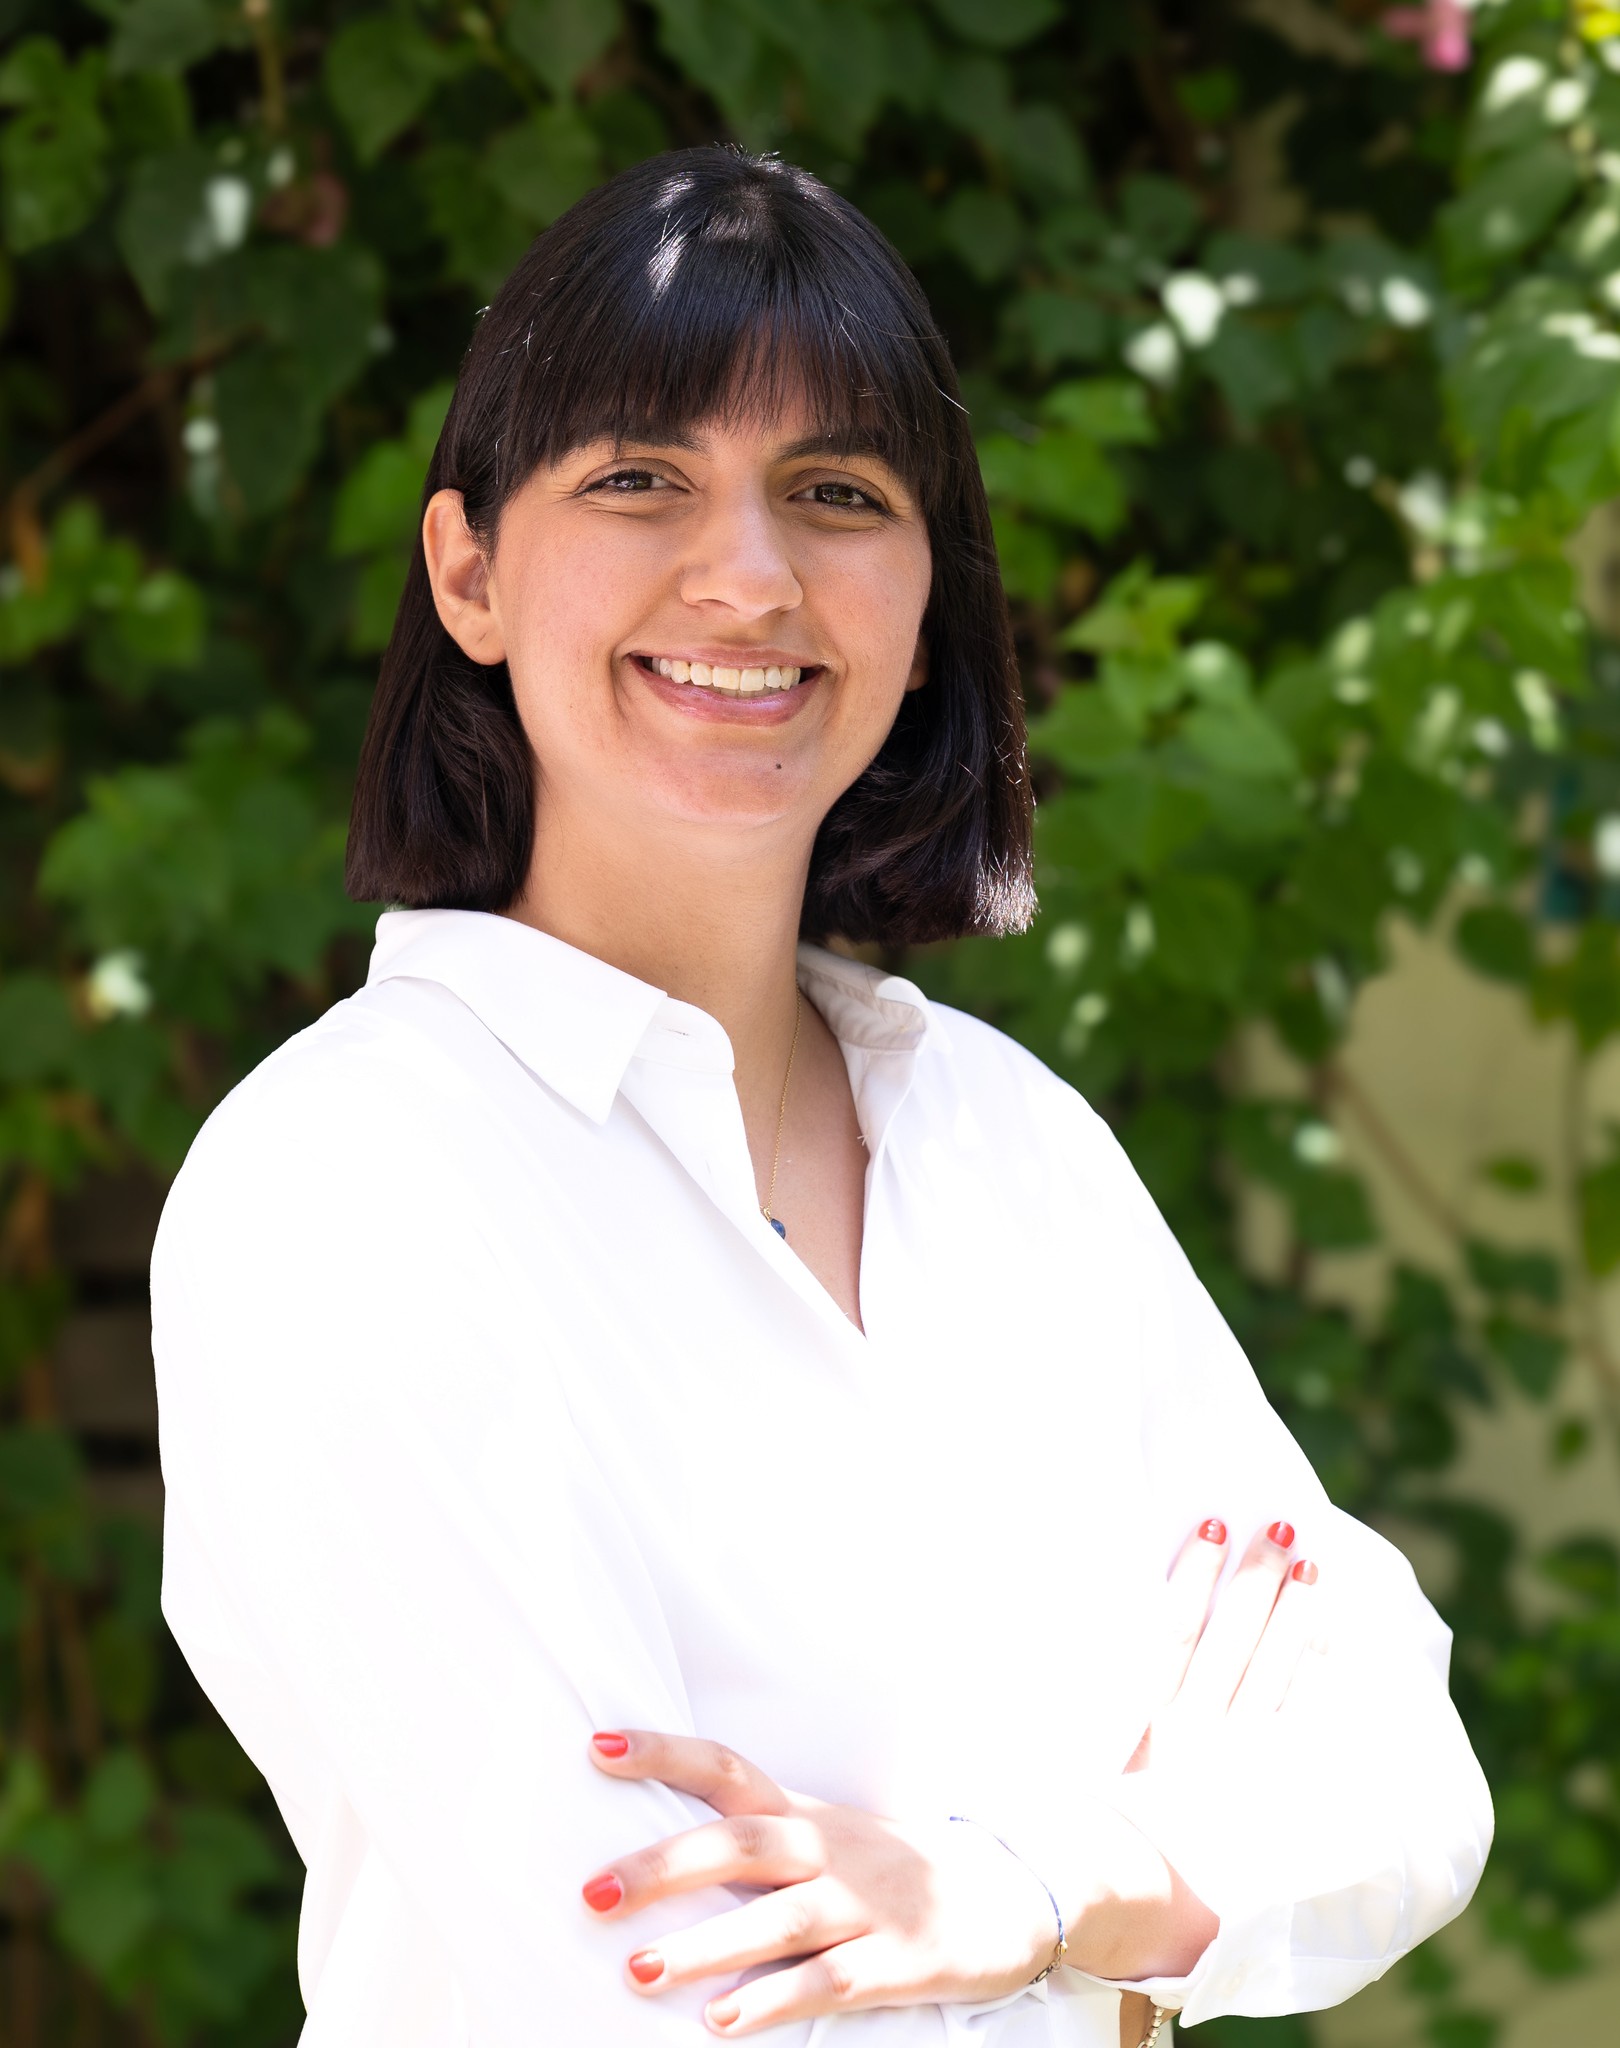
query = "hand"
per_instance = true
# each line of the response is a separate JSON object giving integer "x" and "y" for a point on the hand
{"x": 1237, "y": 1662}
{"x": 876, "y": 1913}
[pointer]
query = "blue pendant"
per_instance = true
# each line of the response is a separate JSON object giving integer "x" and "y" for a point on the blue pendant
{"x": 780, "y": 1229}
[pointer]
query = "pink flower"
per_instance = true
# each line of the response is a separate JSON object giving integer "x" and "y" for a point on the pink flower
{"x": 1441, "y": 27}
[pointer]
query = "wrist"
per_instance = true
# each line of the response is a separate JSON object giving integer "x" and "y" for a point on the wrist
{"x": 1129, "y": 1914}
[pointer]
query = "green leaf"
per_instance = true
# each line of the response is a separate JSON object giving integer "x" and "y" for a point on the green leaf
{"x": 165, "y": 35}
{"x": 1158, "y": 213}
{"x": 1138, "y": 613}
{"x": 1332, "y": 1212}
{"x": 1082, "y": 731}
{"x": 1031, "y": 560}
{"x": 544, "y": 164}
{"x": 1514, "y": 1174}
{"x": 1584, "y": 987}
{"x": 269, "y": 424}
{"x": 53, "y": 171}
{"x": 164, "y": 220}
{"x": 1063, "y": 474}
{"x": 1509, "y": 206}
{"x": 1534, "y": 1276}
{"x": 1042, "y": 147}
{"x": 380, "y": 73}
{"x": 1061, "y": 328}
{"x": 998, "y": 24}
{"x": 1110, "y": 410}
{"x": 1204, "y": 932}
{"x": 1145, "y": 820}
{"x": 985, "y": 229}
{"x": 380, "y": 501}
{"x": 1533, "y": 1357}
{"x": 1600, "y": 1219}
{"x": 36, "y": 1027}
{"x": 1587, "y": 1565}
{"x": 1497, "y": 942}
{"x": 560, "y": 40}
{"x": 1239, "y": 739}
{"x": 1252, "y": 366}
{"x": 119, "y": 1797}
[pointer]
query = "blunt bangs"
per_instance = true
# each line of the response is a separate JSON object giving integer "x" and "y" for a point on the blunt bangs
{"x": 703, "y": 287}
{"x": 711, "y": 314}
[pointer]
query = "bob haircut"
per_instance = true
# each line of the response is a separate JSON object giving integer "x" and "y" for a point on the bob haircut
{"x": 703, "y": 285}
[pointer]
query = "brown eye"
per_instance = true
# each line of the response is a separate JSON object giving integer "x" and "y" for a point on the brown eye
{"x": 845, "y": 497}
{"x": 627, "y": 482}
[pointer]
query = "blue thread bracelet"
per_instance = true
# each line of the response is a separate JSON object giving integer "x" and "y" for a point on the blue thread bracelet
{"x": 1062, "y": 1940}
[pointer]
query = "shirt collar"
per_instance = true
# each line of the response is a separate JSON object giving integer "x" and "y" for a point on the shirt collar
{"x": 577, "y": 1022}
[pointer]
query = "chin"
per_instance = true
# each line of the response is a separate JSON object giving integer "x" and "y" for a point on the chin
{"x": 757, "y": 796}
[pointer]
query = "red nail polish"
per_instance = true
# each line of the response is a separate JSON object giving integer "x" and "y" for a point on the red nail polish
{"x": 1213, "y": 1531}
{"x": 602, "y": 1894}
{"x": 646, "y": 1966}
{"x": 721, "y": 2013}
{"x": 1305, "y": 1572}
{"x": 1282, "y": 1534}
{"x": 611, "y": 1745}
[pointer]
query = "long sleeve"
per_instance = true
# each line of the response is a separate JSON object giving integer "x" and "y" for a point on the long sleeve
{"x": 1351, "y": 1825}
{"x": 415, "y": 1668}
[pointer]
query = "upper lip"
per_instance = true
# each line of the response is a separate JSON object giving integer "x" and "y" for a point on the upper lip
{"x": 730, "y": 657}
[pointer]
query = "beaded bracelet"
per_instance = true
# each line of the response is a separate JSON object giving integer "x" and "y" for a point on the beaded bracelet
{"x": 1062, "y": 1948}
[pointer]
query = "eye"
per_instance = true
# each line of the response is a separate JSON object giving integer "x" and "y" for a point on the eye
{"x": 627, "y": 483}
{"x": 841, "y": 496}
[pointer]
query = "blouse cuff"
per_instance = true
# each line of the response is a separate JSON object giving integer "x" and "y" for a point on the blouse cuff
{"x": 1239, "y": 1962}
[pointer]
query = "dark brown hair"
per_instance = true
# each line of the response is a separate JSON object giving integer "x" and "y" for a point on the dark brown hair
{"x": 689, "y": 287}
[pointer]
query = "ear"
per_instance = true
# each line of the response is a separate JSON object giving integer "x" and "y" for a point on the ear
{"x": 919, "y": 666}
{"x": 460, "y": 579}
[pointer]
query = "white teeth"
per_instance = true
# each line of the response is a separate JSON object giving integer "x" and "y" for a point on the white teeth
{"x": 736, "y": 682}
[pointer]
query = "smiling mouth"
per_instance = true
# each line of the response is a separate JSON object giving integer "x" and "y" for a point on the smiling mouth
{"x": 726, "y": 682}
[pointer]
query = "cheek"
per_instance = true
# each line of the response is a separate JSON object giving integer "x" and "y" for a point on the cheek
{"x": 880, "y": 613}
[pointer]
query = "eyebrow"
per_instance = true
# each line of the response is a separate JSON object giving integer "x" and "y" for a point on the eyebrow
{"x": 841, "y": 443}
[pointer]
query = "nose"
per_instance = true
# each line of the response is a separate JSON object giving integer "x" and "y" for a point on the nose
{"x": 738, "y": 559}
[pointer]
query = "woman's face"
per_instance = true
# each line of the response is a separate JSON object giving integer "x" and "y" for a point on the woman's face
{"x": 654, "y": 604}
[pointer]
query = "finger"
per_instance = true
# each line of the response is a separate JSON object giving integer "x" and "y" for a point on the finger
{"x": 1288, "y": 1634}
{"x": 1189, "y": 1588}
{"x": 847, "y": 1978}
{"x": 1232, "y": 1634}
{"x": 746, "y": 1848}
{"x": 798, "y": 1920}
{"x": 711, "y": 1772}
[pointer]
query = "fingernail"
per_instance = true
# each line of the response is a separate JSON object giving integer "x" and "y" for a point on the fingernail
{"x": 721, "y": 2013}
{"x": 1282, "y": 1534}
{"x": 611, "y": 1745}
{"x": 1305, "y": 1572}
{"x": 646, "y": 1966}
{"x": 1213, "y": 1531}
{"x": 602, "y": 1894}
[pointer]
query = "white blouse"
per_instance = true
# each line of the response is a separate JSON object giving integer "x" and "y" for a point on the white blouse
{"x": 494, "y": 1412}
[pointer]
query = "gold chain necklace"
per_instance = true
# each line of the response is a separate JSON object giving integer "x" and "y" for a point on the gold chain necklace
{"x": 781, "y": 1118}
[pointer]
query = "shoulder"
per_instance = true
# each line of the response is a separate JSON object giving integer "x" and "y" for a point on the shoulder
{"x": 977, "y": 1069}
{"x": 343, "y": 1114}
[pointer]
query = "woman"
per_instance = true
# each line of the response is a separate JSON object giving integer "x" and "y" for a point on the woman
{"x": 674, "y": 1442}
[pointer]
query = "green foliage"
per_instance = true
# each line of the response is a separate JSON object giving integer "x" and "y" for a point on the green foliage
{"x": 1282, "y": 480}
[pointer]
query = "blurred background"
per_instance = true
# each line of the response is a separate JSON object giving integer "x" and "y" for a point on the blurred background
{"x": 1291, "y": 336}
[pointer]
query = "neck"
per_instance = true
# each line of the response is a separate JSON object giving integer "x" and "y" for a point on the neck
{"x": 710, "y": 917}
